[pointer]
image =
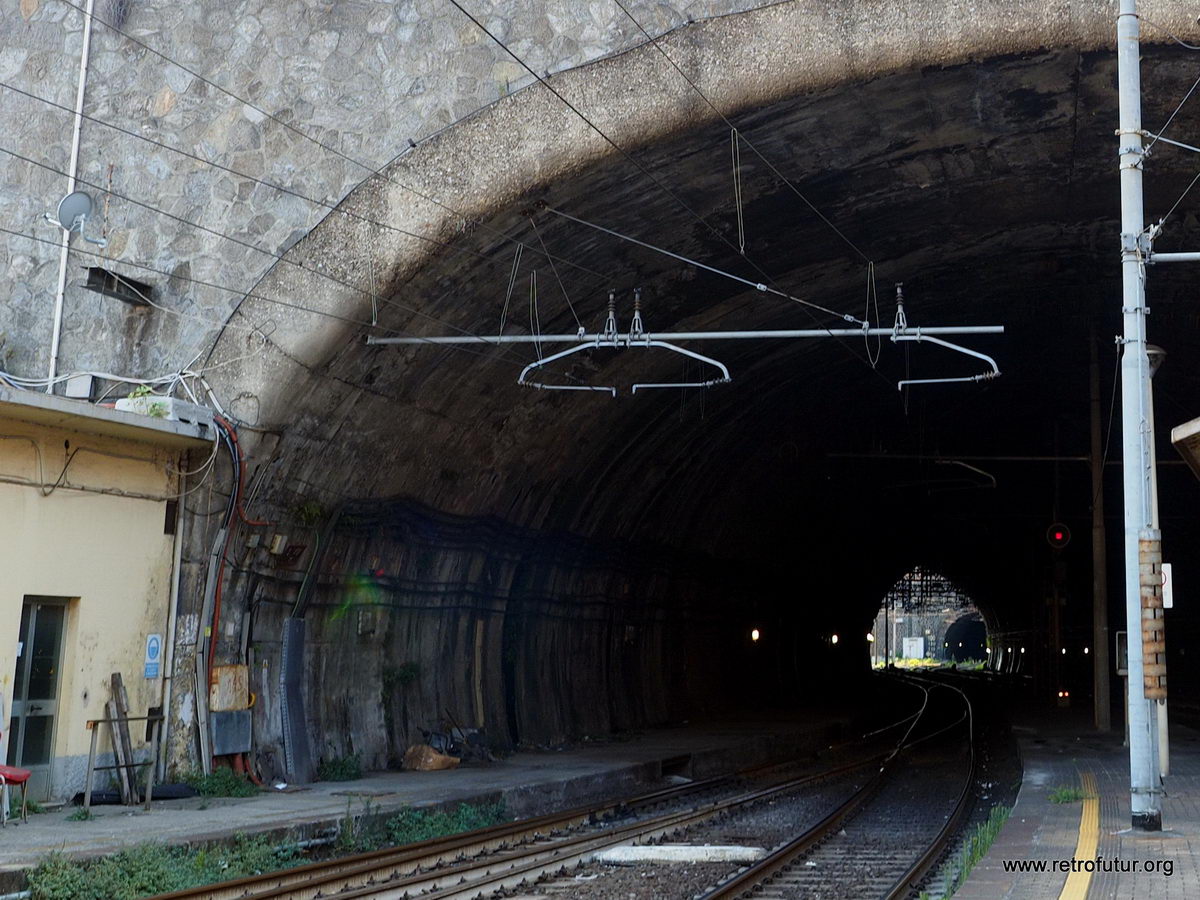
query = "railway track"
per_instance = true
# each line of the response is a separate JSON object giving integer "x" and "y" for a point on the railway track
{"x": 502, "y": 858}
{"x": 886, "y": 837}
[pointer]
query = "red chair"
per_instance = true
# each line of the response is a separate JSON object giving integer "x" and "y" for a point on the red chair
{"x": 13, "y": 775}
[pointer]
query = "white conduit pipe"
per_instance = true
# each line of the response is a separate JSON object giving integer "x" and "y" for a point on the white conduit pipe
{"x": 72, "y": 169}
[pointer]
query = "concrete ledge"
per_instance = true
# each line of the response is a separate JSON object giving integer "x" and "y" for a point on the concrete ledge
{"x": 78, "y": 415}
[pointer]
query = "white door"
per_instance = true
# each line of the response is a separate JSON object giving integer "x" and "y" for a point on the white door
{"x": 35, "y": 691}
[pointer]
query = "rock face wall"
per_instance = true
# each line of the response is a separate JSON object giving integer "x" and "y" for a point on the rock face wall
{"x": 178, "y": 167}
{"x": 418, "y": 618}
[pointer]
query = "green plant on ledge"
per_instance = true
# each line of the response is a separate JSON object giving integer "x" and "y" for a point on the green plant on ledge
{"x": 222, "y": 782}
{"x": 1063, "y": 794}
{"x": 155, "y": 409}
{"x": 340, "y": 768}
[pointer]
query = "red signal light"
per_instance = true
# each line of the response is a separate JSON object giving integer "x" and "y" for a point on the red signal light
{"x": 1058, "y": 535}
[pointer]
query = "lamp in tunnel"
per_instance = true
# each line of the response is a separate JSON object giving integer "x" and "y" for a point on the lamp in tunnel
{"x": 870, "y": 638}
{"x": 833, "y": 639}
{"x": 755, "y": 634}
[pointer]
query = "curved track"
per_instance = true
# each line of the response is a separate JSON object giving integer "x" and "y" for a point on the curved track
{"x": 483, "y": 862}
{"x": 887, "y": 836}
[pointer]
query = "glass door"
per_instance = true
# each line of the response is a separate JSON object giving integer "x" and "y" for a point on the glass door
{"x": 35, "y": 691}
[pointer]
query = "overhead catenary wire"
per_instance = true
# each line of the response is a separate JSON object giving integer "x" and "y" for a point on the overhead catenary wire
{"x": 872, "y": 302}
{"x": 1181, "y": 43}
{"x": 247, "y": 294}
{"x": 1187, "y": 190}
{"x": 738, "y": 135}
{"x": 375, "y": 171}
{"x": 679, "y": 200}
{"x": 757, "y": 285}
{"x": 624, "y": 153}
{"x": 512, "y": 283}
{"x": 278, "y": 257}
{"x": 453, "y": 246}
{"x": 736, "y": 153}
{"x": 562, "y": 287}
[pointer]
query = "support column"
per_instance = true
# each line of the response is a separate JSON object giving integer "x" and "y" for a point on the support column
{"x": 1137, "y": 444}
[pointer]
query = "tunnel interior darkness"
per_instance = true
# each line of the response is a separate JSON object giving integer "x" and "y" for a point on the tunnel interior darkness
{"x": 966, "y": 639}
{"x": 598, "y": 564}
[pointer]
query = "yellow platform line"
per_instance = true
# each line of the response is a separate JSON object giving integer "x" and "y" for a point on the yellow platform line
{"x": 1078, "y": 883}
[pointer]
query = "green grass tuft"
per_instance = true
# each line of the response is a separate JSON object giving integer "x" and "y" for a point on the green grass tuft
{"x": 340, "y": 768}
{"x": 972, "y": 850}
{"x": 149, "y": 869}
{"x": 412, "y": 825}
{"x": 1063, "y": 794}
{"x": 222, "y": 782}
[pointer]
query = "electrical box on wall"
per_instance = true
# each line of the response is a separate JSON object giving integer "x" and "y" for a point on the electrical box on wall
{"x": 80, "y": 387}
{"x": 230, "y": 688}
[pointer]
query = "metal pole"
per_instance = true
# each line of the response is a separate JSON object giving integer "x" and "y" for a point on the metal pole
{"x": 94, "y": 727}
{"x": 1138, "y": 457}
{"x": 606, "y": 340}
{"x": 1101, "y": 701}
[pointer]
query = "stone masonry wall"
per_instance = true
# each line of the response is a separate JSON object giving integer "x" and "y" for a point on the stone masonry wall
{"x": 361, "y": 78}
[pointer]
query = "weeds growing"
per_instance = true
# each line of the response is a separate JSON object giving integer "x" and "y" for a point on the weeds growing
{"x": 222, "y": 782}
{"x": 1063, "y": 794}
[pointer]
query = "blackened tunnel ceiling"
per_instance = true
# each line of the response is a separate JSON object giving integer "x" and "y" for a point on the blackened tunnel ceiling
{"x": 988, "y": 189}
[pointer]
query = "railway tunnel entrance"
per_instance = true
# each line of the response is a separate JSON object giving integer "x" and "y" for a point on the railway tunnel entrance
{"x": 414, "y": 533}
{"x": 594, "y": 564}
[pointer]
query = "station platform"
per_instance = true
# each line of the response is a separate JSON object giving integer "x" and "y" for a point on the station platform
{"x": 530, "y": 783}
{"x": 1063, "y": 751}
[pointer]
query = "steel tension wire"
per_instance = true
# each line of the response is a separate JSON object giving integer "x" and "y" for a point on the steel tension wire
{"x": 757, "y": 285}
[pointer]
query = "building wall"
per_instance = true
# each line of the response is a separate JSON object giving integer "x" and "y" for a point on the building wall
{"x": 106, "y": 552}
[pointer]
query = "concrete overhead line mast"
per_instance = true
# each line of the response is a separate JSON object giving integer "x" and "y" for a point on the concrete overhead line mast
{"x": 1143, "y": 555}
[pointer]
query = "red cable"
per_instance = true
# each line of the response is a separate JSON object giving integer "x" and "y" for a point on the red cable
{"x": 229, "y": 430}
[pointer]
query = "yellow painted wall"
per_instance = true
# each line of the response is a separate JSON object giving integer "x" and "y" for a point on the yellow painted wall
{"x": 107, "y": 552}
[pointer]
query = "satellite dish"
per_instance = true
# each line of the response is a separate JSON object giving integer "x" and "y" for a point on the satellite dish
{"x": 73, "y": 212}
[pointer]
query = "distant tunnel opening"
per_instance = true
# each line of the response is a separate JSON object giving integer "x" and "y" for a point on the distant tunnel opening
{"x": 925, "y": 617}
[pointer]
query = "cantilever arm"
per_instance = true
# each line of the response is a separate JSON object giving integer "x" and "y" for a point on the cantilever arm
{"x": 918, "y": 337}
{"x": 720, "y": 366}
{"x": 626, "y": 343}
{"x": 538, "y": 363}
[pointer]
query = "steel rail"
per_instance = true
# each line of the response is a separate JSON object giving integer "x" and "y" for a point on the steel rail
{"x": 362, "y": 874}
{"x": 908, "y": 883}
{"x": 436, "y": 850}
{"x": 774, "y": 863}
{"x": 761, "y": 872}
{"x": 525, "y": 865}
